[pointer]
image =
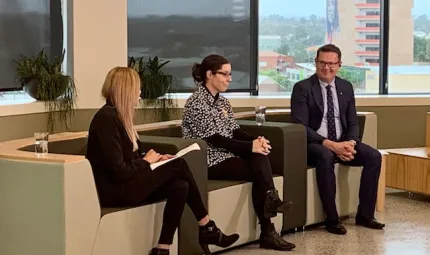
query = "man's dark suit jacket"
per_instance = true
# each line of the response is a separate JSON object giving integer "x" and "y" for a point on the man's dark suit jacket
{"x": 307, "y": 108}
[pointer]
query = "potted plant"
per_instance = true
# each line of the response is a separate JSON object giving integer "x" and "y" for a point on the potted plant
{"x": 155, "y": 86}
{"x": 44, "y": 80}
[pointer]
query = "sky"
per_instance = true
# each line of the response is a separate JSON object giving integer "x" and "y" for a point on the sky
{"x": 305, "y": 8}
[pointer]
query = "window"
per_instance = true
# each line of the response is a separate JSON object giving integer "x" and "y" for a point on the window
{"x": 372, "y": 24}
{"x": 372, "y": 60}
{"x": 372, "y": 37}
{"x": 27, "y": 27}
{"x": 186, "y": 31}
{"x": 296, "y": 29}
{"x": 372, "y": 13}
{"x": 409, "y": 47}
{"x": 372, "y": 48}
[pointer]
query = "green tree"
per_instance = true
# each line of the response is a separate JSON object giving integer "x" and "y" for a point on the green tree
{"x": 280, "y": 79}
{"x": 284, "y": 49}
{"x": 302, "y": 56}
{"x": 422, "y": 23}
{"x": 420, "y": 49}
{"x": 283, "y": 82}
{"x": 355, "y": 75}
{"x": 427, "y": 55}
{"x": 297, "y": 34}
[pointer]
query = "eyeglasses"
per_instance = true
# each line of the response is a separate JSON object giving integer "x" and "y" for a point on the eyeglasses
{"x": 224, "y": 73}
{"x": 321, "y": 63}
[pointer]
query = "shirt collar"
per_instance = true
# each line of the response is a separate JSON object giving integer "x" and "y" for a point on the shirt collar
{"x": 323, "y": 84}
{"x": 207, "y": 95}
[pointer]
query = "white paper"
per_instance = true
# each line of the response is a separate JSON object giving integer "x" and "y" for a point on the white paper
{"x": 192, "y": 147}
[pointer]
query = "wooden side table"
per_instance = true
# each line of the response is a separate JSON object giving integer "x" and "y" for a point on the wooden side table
{"x": 409, "y": 169}
{"x": 380, "y": 200}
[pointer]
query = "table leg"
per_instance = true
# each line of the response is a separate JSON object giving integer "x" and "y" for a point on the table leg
{"x": 380, "y": 201}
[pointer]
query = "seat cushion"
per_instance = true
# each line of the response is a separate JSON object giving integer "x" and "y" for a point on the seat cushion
{"x": 216, "y": 184}
{"x": 130, "y": 231}
{"x": 347, "y": 187}
{"x": 230, "y": 205}
{"x": 107, "y": 210}
{"x": 220, "y": 184}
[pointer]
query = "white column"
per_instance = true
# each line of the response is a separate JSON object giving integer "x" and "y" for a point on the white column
{"x": 97, "y": 42}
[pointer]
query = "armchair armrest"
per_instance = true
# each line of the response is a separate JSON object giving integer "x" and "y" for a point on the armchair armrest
{"x": 288, "y": 159}
{"x": 197, "y": 162}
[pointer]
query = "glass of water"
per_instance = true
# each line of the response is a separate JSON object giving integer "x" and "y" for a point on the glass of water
{"x": 41, "y": 143}
{"x": 260, "y": 115}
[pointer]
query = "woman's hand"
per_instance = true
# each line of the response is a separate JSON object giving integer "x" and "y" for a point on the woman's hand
{"x": 260, "y": 147}
{"x": 265, "y": 142}
{"x": 152, "y": 157}
{"x": 166, "y": 157}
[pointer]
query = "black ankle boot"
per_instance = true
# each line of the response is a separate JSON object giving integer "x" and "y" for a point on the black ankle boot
{"x": 273, "y": 204}
{"x": 156, "y": 251}
{"x": 270, "y": 239}
{"x": 211, "y": 234}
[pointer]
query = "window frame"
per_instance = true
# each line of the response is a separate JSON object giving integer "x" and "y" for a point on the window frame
{"x": 56, "y": 34}
{"x": 383, "y": 46}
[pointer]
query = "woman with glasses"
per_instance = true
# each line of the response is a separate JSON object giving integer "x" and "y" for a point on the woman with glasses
{"x": 232, "y": 153}
{"x": 123, "y": 175}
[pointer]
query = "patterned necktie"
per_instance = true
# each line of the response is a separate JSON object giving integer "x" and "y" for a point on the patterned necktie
{"x": 331, "y": 126}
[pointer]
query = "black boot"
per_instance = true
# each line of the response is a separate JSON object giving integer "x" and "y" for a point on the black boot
{"x": 273, "y": 204}
{"x": 211, "y": 234}
{"x": 270, "y": 239}
{"x": 156, "y": 251}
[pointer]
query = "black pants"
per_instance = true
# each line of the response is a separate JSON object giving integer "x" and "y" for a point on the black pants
{"x": 324, "y": 159}
{"x": 256, "y": 169}
{"x": 175, "y": 182}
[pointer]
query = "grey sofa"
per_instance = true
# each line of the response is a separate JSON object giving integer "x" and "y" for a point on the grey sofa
{"x": 288, "y": 159}
{"x": 347, "y": 178}
{"x": 135, "y": 230}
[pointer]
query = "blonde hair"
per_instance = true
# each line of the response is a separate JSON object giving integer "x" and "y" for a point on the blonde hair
{"x": 122, "y": 87}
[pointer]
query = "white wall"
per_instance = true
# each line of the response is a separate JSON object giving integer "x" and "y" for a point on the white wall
{"x": 97, "y": 42}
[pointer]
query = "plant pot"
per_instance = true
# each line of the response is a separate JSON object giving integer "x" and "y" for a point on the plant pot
{"x": 31, "y": 89}
{"x": 155, "y": 85}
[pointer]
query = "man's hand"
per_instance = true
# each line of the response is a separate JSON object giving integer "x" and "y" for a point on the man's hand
{"x": 344, "y": 150}
{"x": 348, "y": 155}
{"x": 152, "y": 157}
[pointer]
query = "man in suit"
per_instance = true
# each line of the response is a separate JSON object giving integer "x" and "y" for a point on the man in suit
{"x": 325, "y": 105}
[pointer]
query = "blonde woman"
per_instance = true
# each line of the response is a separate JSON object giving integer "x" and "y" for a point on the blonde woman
{"x": 123, "y": 176}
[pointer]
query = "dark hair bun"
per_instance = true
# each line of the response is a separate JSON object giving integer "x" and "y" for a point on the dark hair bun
{"x": 196, "y": 73}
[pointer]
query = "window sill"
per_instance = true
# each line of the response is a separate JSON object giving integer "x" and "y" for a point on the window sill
{"x": 280, "y": 101}
{"x": 20, "y": 108}
{"x": 284, "y": 100}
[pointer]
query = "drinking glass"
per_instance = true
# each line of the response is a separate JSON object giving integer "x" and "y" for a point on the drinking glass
{"x": 41, "y": 143}
{"x": 260, "y": 115}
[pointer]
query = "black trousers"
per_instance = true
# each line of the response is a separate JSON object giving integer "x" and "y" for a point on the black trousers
{"x": 324, "y": 159}
{"x": 175, "y": 182}
{"x": 257, "y": 169}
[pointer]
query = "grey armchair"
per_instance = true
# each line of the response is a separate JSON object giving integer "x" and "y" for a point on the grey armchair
{"x": 288, "y": 159}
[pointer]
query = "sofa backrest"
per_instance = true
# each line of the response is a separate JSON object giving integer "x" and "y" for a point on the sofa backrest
{"x": 286, "y": 117}
{"x": 174, "y": 131}
{"x": 76, "y": 146}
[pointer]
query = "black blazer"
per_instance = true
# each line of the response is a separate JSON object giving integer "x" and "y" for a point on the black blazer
{"x": 307, "y": 108}
{"x": 119, "y": 172}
